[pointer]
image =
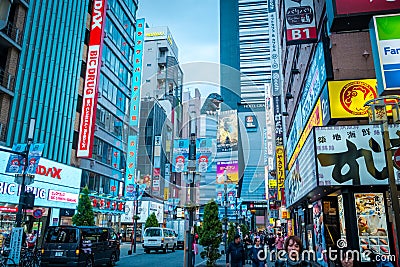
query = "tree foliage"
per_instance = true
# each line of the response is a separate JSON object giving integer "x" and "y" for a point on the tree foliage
{"x": 231, "y": 232}
{"x": 245, "y": 229}
{"x": 211, "y": 234}
{"x": 151, "y": 221}
{"x": 84, "y": 215}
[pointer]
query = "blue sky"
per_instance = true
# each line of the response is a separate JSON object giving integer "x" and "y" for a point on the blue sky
{"x": 194, "y": 25}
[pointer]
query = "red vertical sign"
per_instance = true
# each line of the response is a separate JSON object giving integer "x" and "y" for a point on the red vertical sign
{"x": 91, "y": 87}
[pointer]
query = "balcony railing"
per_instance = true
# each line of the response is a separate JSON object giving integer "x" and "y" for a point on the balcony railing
{"x": 14, "y": 33}
{"x": 7, "y": 80}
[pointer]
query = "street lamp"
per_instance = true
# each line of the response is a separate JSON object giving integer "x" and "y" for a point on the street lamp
{"x": 225, "y": 175}
{"x": 377, "y": 115}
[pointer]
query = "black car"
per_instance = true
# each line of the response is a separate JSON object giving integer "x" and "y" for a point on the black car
{"x": 80, "y": 246}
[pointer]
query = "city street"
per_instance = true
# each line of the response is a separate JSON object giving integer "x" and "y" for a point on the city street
{"x": 170, "y": 259}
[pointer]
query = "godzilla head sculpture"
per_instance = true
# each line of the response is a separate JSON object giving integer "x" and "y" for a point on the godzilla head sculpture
{"x": 211, "y": 104}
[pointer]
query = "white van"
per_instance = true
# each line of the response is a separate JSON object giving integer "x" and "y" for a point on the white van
{"x": 157, "y": 238}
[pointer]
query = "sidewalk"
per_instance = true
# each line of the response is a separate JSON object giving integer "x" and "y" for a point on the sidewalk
{"x": 125, "y": 246}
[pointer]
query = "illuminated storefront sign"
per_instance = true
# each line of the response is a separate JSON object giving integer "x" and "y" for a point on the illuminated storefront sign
{"x": 90, "y": 90}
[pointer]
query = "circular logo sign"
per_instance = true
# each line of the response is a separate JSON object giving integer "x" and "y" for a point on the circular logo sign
{"x": 396, "y": 157}
{"x": 37, "y": 213}
{"x": 354, "y": 95}
{"x": 130, "y": 188}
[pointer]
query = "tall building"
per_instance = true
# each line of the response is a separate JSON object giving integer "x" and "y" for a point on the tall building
{"x": 46, "y": 74}
{"x": 104, "y": 171}
{"x": 161, "y": 111}
{"x": 245, "y": 72}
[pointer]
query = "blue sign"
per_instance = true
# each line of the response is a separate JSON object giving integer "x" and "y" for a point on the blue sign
{"x": 16, "y": 162}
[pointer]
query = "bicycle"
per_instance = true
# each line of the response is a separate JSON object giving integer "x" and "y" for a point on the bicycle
{"x": 30, "y": 258}
{"x": 5, "y": 261}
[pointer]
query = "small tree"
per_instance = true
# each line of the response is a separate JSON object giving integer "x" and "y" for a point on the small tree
{"x": 151, "y": 221}
{"x": 211, "y": 234}
{"x": 231, "y": 232}
{"x": 85, "y": 215}
{"x": 244, "y": 229}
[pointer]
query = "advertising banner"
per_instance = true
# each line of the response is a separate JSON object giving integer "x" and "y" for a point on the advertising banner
{"x": 205, "y": 154}
{"x": 278, "y": 120}
{"x": 180, "y": 155}
{"x": 227, "y": 135}
{"x": 300, "y": 22}
{"x": 347, "y": 98}
{"x": 371, "y": 224}
{"x": 357, "y": 7}
{"x": 342, "y": 223}
{"x": 231, "y": 168}
{"x": 274, "y": 47}
{"x": 280, "y": 170}
{"x": 385, "y": 41}
{"x": 137, "y": 73}
{"x": 130, "y": 166}
{"x": 353, "y": 155}
{"x": 319, "y": 234}
{"x": 55, "y": 184}
{"x": 91, "y": 87}
{"x": 301, "y": 177}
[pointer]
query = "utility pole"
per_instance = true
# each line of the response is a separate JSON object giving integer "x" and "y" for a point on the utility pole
{"x": 226, "y": 209}
{"x": 192, "y": 172}
{"x": 135, "y": 216}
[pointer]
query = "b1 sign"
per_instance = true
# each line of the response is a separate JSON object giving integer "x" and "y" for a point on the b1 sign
{"x": 300, "y": 22}
{"x": 385, "y": 39}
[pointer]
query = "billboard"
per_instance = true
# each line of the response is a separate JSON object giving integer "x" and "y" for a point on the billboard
{"x": 300, "y": 22}
{"x": 137, "y": 73}
{"x": 274, "y": 47}
{"x": 180, "y": 155}
{"x": 301, "y": 177}
{"x": 231, "y": 167}
{"x": 91, "y": 87}
{"x": 347, "y": 98}
{"x": 228, "y": 133}
{"x": 352, "y": 155}
{"x": 385, "y": 41}
{"x": 357, "y": 7}
{"x": 130, "y": 166}
{"x": 280, "y": 170}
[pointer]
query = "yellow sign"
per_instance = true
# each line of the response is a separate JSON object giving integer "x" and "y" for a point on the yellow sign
{"x": 314, "y": 120}
{"x": 166, "y": 191}
{"x": 272, "y": 221}
{"x": 272, "y": 183}
{"x": 154, "y": 34}
{"x": 280, "y": 169}
{"x": 347, "y": 98}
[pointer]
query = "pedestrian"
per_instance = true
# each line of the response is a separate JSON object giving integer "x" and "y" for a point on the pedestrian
{"x": 31, "y": 240}
{"x": 293, "y": 247}
{"x": 279, "y": 241}
{"x": 195, "y": 248}
{"x": 247, "y": 248}
{"x": 258, "y": 256}
{"x": 86, "y": 245}
{"x": 235, "y": 255}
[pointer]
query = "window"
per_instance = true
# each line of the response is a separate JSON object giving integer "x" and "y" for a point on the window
{"x": 61, "y": 235}
{"x": 148, "y": 64}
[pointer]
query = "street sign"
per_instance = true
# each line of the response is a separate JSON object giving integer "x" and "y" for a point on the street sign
{"x": 37, "y": 213}
{"x": 16, "y": 243}
{"x": 397, "y": 157}
{"x": 130, "y": 188}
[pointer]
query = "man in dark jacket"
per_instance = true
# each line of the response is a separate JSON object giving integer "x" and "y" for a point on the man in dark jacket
{"x": 236, "y": 253}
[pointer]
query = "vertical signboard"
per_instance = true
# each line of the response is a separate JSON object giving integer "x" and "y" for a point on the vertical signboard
{"x": 300, "y": 22}
{"x": 319, "y": 234}
{"x": 180, "y": 155}
{"x": 90, "y": 90}
{"x": 130, "y": 166}
{"x": 342, "y": 223}
{"x": 274, "y": 47}
{"x": 371, "y": 224}
{"x": 278, "y": 121}
{"x": 280, "y": 170}
{"x": 385, "y": 38}
{"x": 137, "y": 73}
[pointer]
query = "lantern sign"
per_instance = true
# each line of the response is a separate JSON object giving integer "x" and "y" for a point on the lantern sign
{"x": 113, "y": 188}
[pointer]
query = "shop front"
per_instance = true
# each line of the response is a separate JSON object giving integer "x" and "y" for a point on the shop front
{"x": 337, "y": 191}
{"x": 56, "y": 186}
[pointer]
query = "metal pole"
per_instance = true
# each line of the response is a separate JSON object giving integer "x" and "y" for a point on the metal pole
{"x": 236, "y": 208}
{"x": 226, "y": 215}
{"x": 392, "y": 184}
{"x": 192, "y": 171}
{"x": 135, "y": 217}
{"x": 190, "y": 236}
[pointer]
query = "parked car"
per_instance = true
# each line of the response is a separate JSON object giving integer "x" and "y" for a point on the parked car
{"x": 80, "y": 246}
{"x": 157, "y": 238}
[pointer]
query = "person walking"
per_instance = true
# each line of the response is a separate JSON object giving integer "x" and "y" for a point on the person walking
{"x": 31, "y": 240}
{"x": 279, "y": 243}
{"x": 235, "y": 255}
{"x": 195, "y": 249}
{"x": 258, "y": 256}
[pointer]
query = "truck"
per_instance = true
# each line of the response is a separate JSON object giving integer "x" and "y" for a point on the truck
{"x": 179, "y": 227}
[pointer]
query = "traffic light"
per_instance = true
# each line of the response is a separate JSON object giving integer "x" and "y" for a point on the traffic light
{"x": 192, "y": 147}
